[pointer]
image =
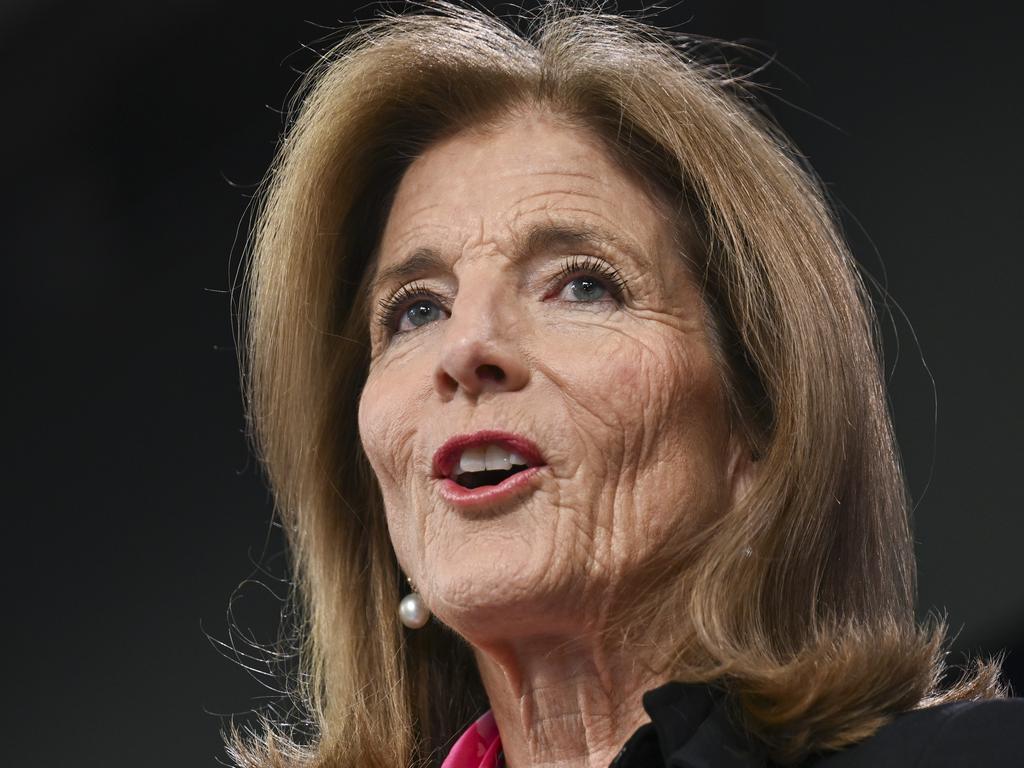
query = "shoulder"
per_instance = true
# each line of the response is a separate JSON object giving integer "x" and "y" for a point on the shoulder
{"x": 982, "y": 733}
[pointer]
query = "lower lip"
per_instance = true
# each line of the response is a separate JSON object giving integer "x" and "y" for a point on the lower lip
{"x": 487, "y": 495}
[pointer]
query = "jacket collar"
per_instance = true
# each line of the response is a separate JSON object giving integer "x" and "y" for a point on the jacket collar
{"x": 690, "y": 727}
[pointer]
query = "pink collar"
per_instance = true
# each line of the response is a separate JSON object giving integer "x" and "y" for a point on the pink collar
{"x": 477, "y": 747}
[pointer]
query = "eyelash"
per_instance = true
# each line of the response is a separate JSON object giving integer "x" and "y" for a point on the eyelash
{"x": 388, "y": 308}
{"x": 578, "y": 266}
{"x": 590, "y": 266}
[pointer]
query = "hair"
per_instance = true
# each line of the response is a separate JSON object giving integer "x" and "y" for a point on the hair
{"x": 799, "y": 600}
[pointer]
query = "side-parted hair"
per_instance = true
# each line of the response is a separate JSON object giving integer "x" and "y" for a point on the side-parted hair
{"x": 799, "y": 600}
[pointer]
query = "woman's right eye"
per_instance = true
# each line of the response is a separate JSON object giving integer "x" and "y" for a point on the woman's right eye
{"x": 410, "y": 308}
{"x": 418, "y": 314}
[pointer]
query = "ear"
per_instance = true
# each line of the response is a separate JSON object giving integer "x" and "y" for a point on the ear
{"x": 741, "y": 471}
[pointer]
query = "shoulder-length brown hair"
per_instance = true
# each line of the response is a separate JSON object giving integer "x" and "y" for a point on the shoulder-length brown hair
{"x": 799, "y": 600}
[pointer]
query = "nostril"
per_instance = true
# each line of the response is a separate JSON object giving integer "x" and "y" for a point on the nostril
{"x": 446, "y": 383}
{"x": 490, "y": 372}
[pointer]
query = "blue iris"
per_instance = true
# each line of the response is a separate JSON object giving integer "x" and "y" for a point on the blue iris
{"x": 424, "y": 311}
{"x": 586, "y": 293}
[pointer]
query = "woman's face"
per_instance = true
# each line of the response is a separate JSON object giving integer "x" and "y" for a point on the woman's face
{"x": 547, "y": 299}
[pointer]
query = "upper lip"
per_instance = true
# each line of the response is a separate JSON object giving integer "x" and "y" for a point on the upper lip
{"x": 447, "y": 456}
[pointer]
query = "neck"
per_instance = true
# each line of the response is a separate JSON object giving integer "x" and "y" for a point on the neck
{"x": 564, "y": 703}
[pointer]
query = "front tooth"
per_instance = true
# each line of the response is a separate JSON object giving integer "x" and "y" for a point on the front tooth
{"x": 473, "y": 459}
{"x": 497, "y": 457}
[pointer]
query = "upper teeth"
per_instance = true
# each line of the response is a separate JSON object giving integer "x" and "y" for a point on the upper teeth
{"x": 481, "y": 457}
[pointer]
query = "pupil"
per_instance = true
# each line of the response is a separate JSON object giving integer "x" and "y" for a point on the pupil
{"x": 421, "y": 310}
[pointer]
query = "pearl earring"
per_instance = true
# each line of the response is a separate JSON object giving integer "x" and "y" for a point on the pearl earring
{"x": 412, "y": 611}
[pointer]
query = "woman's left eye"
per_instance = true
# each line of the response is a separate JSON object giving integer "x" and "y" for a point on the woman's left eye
{"x": 585, "y": 289}
{"x": 590, "y": 280}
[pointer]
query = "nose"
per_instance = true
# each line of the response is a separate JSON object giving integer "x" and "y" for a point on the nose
{"x": 481, "y": 347}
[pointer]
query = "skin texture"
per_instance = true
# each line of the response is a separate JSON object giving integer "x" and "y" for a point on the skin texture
{"x": 623, "y": 399}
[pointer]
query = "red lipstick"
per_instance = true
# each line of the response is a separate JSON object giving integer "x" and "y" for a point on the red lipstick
{"x": 448, "y": 454}
{"x": 446, "y": 460}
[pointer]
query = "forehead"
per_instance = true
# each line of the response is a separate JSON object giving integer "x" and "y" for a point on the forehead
{"x": 491, "y": 187}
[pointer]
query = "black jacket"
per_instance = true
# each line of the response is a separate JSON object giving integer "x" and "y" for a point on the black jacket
{"x": 691, "y": 728}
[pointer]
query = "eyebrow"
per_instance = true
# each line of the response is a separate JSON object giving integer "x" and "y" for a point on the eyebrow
{"x": 540, "y": 237}
{"x": 545, "y": 236}
{"x": 419, "y": 262}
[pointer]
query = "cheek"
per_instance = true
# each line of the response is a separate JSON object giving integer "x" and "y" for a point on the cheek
{"x": 637, "y": 387}
{"x": 386, "y": 431}
{"x": 649, "y": 414}
{"x": 373, "y": 419}
{"x": 387, "y": 439}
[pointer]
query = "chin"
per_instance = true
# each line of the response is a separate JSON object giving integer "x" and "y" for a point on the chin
{"x": 497, "y": 590}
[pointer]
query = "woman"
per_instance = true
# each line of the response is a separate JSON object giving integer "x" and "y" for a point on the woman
{"x": 556, "y": 329}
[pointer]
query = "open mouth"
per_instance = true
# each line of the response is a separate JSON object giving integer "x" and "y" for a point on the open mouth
{"x": 486, "y": 477}
{"x": 484, "y": 465}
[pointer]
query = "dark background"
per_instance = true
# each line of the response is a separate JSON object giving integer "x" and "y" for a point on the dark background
{"x": 133, "y": 135}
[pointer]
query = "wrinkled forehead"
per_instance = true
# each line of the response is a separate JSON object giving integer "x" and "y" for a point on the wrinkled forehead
{"x": 498, "y": 187}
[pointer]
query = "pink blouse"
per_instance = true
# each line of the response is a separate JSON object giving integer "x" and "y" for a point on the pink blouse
{"x": 478, "y": 747}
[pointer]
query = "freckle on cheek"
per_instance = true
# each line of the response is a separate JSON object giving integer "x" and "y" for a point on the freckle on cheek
{"x": 625, "y": 375}
{"x": 623, "y": 381}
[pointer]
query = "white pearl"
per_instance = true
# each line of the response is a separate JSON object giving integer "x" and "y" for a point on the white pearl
{"x": 413, "y": 611}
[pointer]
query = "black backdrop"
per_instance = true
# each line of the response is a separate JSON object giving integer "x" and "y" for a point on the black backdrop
{"x": 133, "y": 135}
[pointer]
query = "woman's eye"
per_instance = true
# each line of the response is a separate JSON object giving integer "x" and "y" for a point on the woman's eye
{"x": 410, "y": 308}
{"x": 419, "y": 314}
{"x": 584, "y": 289}
{"x": 588, "y": 280}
